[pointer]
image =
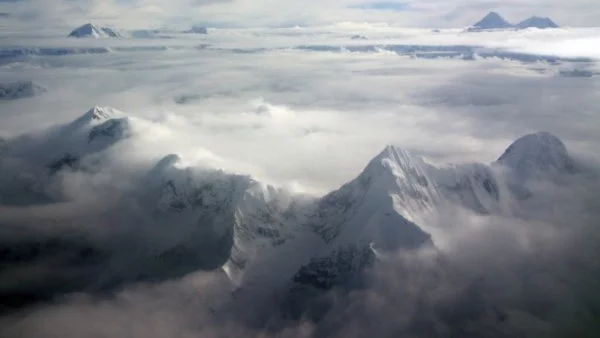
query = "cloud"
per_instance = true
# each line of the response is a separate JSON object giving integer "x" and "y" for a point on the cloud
{"x": 252, "y": 102}
{"x": 333, "y": 108}
{"x": 531, "y": 273}
{"x": 245, "y": 13}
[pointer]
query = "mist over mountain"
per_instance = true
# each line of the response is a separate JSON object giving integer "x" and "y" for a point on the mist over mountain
{"x": 157, "y": 219}
{"x": 341, "y": 174}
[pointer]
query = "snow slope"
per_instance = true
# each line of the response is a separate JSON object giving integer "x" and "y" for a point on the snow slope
{"x": 540, "y": 155}
{"x": 32, "y": 160}
{"x": 384, "y": 207}
{"x": 209, "y": 218}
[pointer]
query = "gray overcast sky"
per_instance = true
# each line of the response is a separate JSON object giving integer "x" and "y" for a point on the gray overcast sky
{"x": 262, "y": 13}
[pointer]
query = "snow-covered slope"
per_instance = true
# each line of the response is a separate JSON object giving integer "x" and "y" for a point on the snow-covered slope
{"x": 94, "y": 131}
{"x": 209, "y": 218}
{"x": 232, "y": 216}
{"x": 537, "y": 22}
{"x": 381, "y": 210}
{"x": 35, "y": 158}
{"x": 339, "y": 235}
{"x": 384, "y": 208}
{"x": 492, "y": 20}
{"x": 394, "y": 190}
{"x": 19, "y": 90}
{"x": 536, "y": 156}
{"x": 90, "y": 30}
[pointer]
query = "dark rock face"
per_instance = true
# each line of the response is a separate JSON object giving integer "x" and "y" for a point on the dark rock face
{"x": 340, "y": 266}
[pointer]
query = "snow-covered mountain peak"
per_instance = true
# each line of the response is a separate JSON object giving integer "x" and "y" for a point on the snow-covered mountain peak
{"x": 83, "y": 126}
{"x": 94, "y": 131}
{"x": 537, "y": 153}
{"x": 93, "y": 31}
{"x": 537, "y": 22}
{"x": 98, "y": 114}
{"x": 492, "y": 20}
{"x": 397, "y": 161}
{"x": 418, "y": 186}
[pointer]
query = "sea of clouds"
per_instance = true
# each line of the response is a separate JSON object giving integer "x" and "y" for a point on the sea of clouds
{"x": 309, "y": 119}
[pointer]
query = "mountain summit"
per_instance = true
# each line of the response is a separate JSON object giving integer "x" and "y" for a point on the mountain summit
{"x": 537, "y": 154}
{"x": 492, "y": 21}
{"x": 537, "y": 22}
{"x": 90, "y": 30}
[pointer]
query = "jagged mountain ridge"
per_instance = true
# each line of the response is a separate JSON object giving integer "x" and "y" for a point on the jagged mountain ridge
{"x": 220, "y": 219}
{"x": 228, "y": 207}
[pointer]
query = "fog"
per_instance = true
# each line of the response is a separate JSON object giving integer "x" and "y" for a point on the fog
{"x": 318, "y": 105}
{"x": 302, "y": 110}
{"x": 531, "y": 274}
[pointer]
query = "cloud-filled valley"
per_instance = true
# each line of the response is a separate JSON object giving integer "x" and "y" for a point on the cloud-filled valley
{"x": 295, "y": 182}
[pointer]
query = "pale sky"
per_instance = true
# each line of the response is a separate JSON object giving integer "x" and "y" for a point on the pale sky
{"x": 278, "y": 13}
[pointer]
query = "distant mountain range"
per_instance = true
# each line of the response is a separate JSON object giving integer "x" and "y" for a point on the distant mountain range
{"x": 93, "y": 31}
{"x": 494, "y": 21}
{"x": 90, "y": 30}
{"x": 19, "y": 90}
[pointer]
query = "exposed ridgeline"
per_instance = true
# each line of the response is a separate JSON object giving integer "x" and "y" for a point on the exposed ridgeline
{"x": 182, "y": 218}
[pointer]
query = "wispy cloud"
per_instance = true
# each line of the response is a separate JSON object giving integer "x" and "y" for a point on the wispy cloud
{"x": 383, "y": 6}
{"x": 245, "y": 13}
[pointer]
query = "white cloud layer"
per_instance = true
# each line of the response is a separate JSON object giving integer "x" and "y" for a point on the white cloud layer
{"x": 245, "y": 13}
{"x": 290, "y": 115}
{"x": 305, "y": 108}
